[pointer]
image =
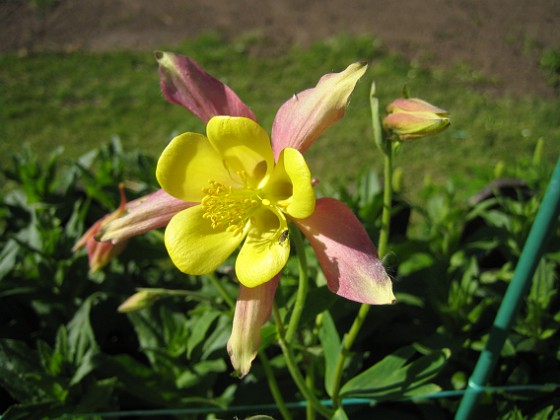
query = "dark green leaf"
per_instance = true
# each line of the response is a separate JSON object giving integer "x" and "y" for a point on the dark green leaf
{"x": 81, "y": 338}
{"x": 330, "y": 341}
{"x": 393, "y": 377}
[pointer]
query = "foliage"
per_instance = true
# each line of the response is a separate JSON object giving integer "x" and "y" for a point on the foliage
{"x": 550, "y": 63}
{"x": 64, "y": 350}
{"x": 81, "y": 98}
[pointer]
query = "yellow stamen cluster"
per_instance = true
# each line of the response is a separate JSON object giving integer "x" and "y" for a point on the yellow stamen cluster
{"x": 229, "y": 208}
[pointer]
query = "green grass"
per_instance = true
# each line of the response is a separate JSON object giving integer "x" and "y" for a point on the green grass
{"x": 80, "y": 100}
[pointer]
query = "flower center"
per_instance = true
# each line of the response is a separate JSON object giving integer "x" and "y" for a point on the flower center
{"x": 229, "y": 208}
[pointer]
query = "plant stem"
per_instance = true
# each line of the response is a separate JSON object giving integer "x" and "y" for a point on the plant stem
{"x": 223, "y": 292}
{"x": 303, "y": 285}
{"x": 273, "y": 385}
{"x": 347, "y": 343}
{"x": 386, "y": 146}
{"x": 387, "y": 203}
{"x": 294, "y": 370}
{"x": 310, "y": 382}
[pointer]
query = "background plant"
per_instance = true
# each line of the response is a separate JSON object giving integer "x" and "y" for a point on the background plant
{"x": 65, "y": 350}
{"x": 82, "y": 99}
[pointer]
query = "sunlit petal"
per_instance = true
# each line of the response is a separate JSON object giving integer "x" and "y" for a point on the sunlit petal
{"x": 142, "y": 215}
{"x": 243, "y": 145}
{"x": 252, "y": 310}
{"x": 187, "y": 164}
{"x": 194, "y": 246}
{"x": 304, "y": 117}
{"x": 265, "y": 251}
{"x": 184, "y": 82}
{"x": 346, "y": 254}
{"x": 290, "y": 185}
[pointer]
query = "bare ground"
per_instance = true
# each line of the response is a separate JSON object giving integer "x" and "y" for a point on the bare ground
{"x": 503, "y": 39}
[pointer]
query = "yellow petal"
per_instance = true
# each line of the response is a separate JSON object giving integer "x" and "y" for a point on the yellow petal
{"x": 290, "y": 185}
{"x": 187, "y": 164}
{"x": 265, "y": 251}
{"x": 244, "y": 146}
{"x": 194, "y": 246}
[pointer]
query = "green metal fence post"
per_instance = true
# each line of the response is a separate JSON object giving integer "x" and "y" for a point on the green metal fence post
{"x": 542, "y": 228}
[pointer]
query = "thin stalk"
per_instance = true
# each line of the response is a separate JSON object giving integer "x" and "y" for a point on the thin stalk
{"x": 173, "y": 292}
{"x": 347, "y": 343}
{"x": 387, "y": 202}
{"x": 273, "y": 385}
{"x": 386, "y": 146}
{"x": 223, "y": 292}
{"x": 294, "y": 370}
{"x": 303, "y": 285}
{"x": 310, "y": 382}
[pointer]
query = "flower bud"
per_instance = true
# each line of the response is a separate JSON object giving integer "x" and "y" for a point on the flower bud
{"x": 414, "y": 118}
{"x": 139, "y": 300}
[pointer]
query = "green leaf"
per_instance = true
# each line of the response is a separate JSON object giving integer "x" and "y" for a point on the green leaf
{"x": 340, "y": 414}
{"x": 393, "y": 377}
{"x": 24, "y": 377}
{"x": 8, "y": 257}
{"x": 199, "y": 326}
{"x": 81, "y": 338}
{"x": 51, "y": 360}
{"x": 88, "y": 363}
{"x": 200, "y": 373}
{"x": 269, "y": 335}
{"x": 422, "y": 390}
{"x": 330, "y": 341}
{"x": 17, "y": 362}
{"x": 217, "y": 340}
{"x": 98, "y": 395}
{"x": 162, "y": 335}
{"x": 34, "y": 410}
{"x": 61, "y": 344}
{"x": 140, "y": 380}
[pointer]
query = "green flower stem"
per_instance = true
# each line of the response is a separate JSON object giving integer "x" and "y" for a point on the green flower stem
{"x": 271, "y": 379}
{"x": 223, "y": 292}
{"x": 294, "y": 370}
{"x": 347, "y": 343}
{"x": 386, "y": 146}
{"x": 273, "y": 385}
{"x": 172, "y": 292}
{"x": 310, "y": 382}
{"x": 387, "y": 202}
{"x": 303, "y": 284}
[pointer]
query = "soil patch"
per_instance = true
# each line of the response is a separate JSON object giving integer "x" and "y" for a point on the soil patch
{"x": 503, "y": 39}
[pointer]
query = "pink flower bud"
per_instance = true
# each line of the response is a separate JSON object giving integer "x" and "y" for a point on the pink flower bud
{"x": 414, "y": 118}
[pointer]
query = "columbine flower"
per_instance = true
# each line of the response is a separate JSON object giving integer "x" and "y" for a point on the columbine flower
{"x": 247, "y": 190}
{"x": 241, "y": 189}
{"x": 242, "y": 194}
{"x": 414, "y": 118}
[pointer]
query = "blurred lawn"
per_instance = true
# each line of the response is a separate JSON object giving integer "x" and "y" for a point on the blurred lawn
{"x": 80, "y": 100}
